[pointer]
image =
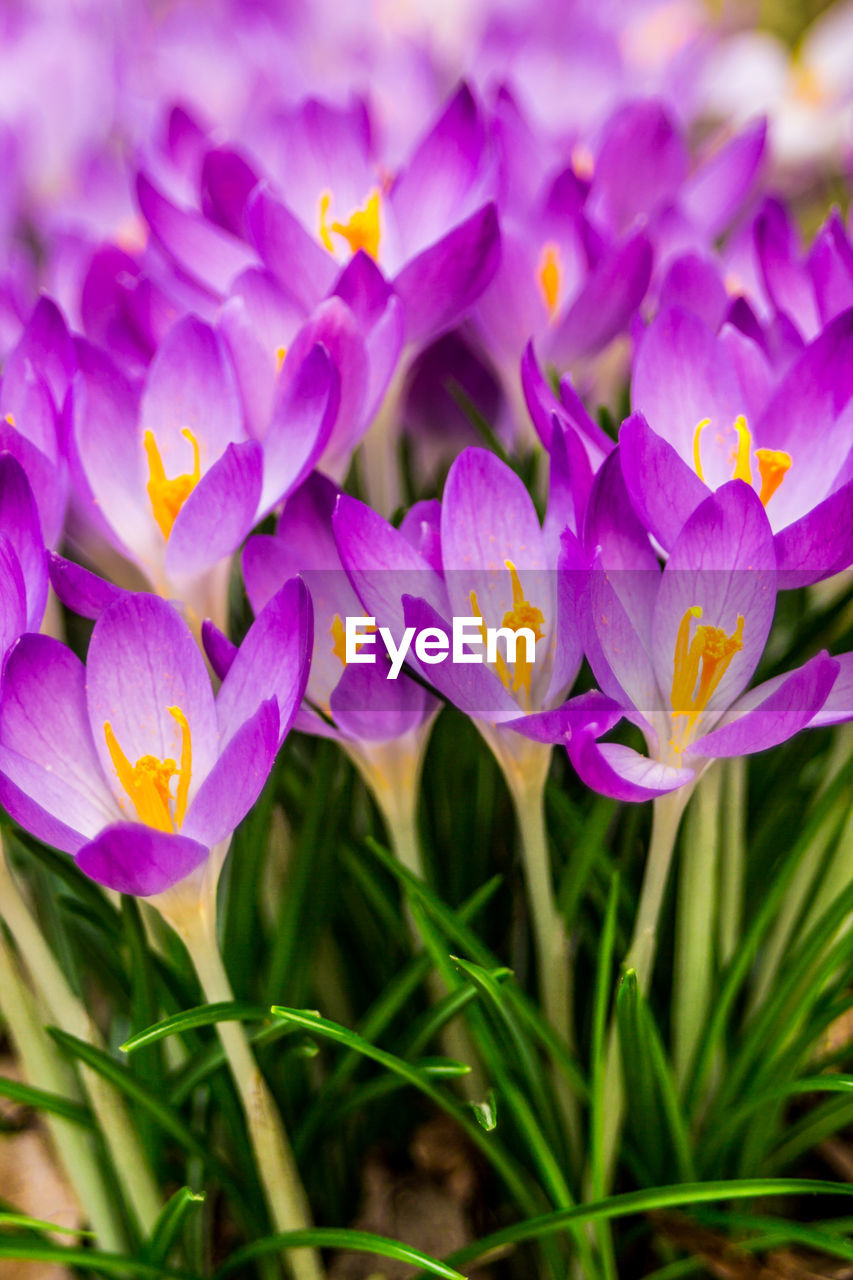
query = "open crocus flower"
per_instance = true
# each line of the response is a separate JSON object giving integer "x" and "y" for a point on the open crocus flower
{"x": 382, "y": 724}
{"x": 709, "y": 412}
{"x": 676, "y": 648}
{"x": 129, "y": 762}
{"x": 498, "y": 569}
{"x": 171, "y": 479}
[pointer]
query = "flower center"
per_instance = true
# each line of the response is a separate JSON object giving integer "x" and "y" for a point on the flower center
{"x": 522, "y": 614}
{"x": 148, "y": 783}
{"x": 361, "y": 231}
{"x": 698, "y": 667}
{"x": 168, "y": 496}
{"x": 339, "y": 639}
{"x": 549, "y": 277}
{"x": 773, "y": 464}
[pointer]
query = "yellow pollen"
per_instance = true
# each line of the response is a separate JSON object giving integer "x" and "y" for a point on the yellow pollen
{"x": 339, "y": 638}
{"x": 361, "y": 230}
{"x": 168, "y": 496}
{"x": 698, "y": 667}
{"x": 10, "y": 418}
{"x": 697, "y": 453}
{"x": 148, "y": 782}
{"x": 280, "y": 354}
{"x": 743, "y": 469}
{"x": 549, "y": 276}
{"x": 773, "y": 466}
{"x": 522, "y": 614}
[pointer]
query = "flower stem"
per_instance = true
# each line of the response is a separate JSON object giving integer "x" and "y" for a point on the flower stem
{"x": 696, "y": 913}
{"x": 44, "y": 1069}
{"x": 666, "y": 816}
{"x": 279, "y": 1175}
{"x": 128, "y": 1157}
{"x": 732, "y": 855}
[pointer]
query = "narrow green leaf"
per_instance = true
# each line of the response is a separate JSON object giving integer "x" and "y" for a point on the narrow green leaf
{"x": 333, "y": 1238}
{"x": 204, "y": 1015}
{"x": 169, "y": 1224}
{"x": 38, "y": 1224}
{"x": 42, "y": 1100}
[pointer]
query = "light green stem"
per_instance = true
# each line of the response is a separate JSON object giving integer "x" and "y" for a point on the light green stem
{"x": 279, "y": 1175}
{"x": 44, "y": 1069}
{"x": 128, "y": 1157}
{"x": 732, "y": 855}
{"x": 380, "y": 461}
{"x": 666, "y": 816}
{"x": 695, "y": 918}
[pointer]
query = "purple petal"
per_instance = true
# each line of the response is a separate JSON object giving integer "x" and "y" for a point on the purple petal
{"x": 142, "y": 661}
{"x": 663, "y": 490}
{"x": 368, "y": 707}
{"x": 819, "y": 544}
{"x": 219, "y": 512}
{"x": 639, "y": 140}
{"x": 219, "y": 650}
{"x": 716, "y": 191}
{"x": 588, "y": 711}
{"x": 694, "y": 284}
{"x": 19, "y": 521}
{"x": 237, "y": 779}
{"x": 444, "y": 281}
{"x": 785, "y": 278}
{"x": 81, "y": 591}
{"x": 131, "y": 858}
{"x": 298, "y": 260}
{"x": 839, "y": 704}
{"x": 227, "y": 181}
{"x": 606, "y": 303}
{"x": 272, "y": 662}
{"x": 209, "y": 255}
{"x": 771, "y": 713}
{"x": 52, "y": 780}
{"x": 13, "y": 600}
{"x": 46, "y": 343}
{"x": 620, "y": 772}
{"x": 303, "y": 421}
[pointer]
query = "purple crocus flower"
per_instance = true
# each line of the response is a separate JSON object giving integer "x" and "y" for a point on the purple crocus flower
{"x": 170, "y": 477}
{"x": 23, "y": 562}
{"x": 710, "y": 411}
{"x": 382, "y": 724}
{"x": 675, "y": 649}
{"x": 129, "y": 762}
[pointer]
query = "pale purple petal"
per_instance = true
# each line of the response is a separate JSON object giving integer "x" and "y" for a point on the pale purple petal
{"x": 368, "y": 707}
{"x": 80, "y": 590}
{"x": 236, "y": 780}
{"x": 19, "y": 521}
{"x": 219, "y": 512}
{"x": 139, "y": 860}
{"x": 303, "y": 421}
{"x": 664, "y": 491}
{"x": 620, "y": 772}
{"x": 839, "y": 704}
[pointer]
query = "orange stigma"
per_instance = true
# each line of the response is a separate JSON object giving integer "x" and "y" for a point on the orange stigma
{"x": 148, "y": 782}
{"x": 522, "y": 614}
{"x": 698, "y": 667}
{"x": 549, "y": 277}
{"x": 168, "y": 496}
{"x": 361, "y": 230}
{"x": 773, "y": 466}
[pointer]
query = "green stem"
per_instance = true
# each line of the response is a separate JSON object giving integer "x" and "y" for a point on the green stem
{"x": 279, "y": 1175}
{"x": 732, "y": 856}
{"x": 666, "y": 816}
{"x": 44, "y": 1069}
{"x": 114, "y": 1121}
{"x": 695, "y": 917}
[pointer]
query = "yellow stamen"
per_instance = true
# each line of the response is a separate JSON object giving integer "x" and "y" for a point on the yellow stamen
{"x": 325, "y": 235}
{"x": 697, "y": 453}
{"x": 500, "y": 662}
{"x": 10, "y": 418}
{"x": 362, "y": 229}
{"x": 168, "y": 496}
{"x": 522, "y": 614}
{"x": 280, "y": 355}
{"x": 549, "y": 277}
{"x": 773, "y": 466}
{"x": 336, "y": 631}
{"x": 743, "y": 469}
{"x": 698, "y": 667}
{"x": 148, "y": 782}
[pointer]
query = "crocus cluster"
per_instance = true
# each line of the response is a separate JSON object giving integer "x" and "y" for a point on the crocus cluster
{"x": 305, "y": 343}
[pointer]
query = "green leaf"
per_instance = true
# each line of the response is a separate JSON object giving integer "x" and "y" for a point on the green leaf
{"x": 22, "y": 1248}
{"x": 169, "y": 1224}
{"x": 42, "y": 1100}
{"x": 653, "y": 1110}
{"x": 38, "y": 1224}
{"x": 204, "y": 1015}
{"x": 333, "y": 1238}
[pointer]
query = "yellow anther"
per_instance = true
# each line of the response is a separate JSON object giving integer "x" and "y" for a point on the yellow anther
{"x": 549, "y": 276}
{"x": 280, "y": 354}
{"x": 336, "y": 631}
{"x": 522, "y": 614}
{"x": 698, "y": 667}
{"x": 148, "y": 782}
{"x": 773, "y": 466}
{"x": 697, "y": 452}
{"x": 743, "y": 469}
{"x": 361, "y": 230}
{"x": 10, "y": 418}
{"x": 168, "y": 496}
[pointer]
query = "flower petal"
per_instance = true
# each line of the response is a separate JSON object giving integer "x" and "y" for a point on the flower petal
{"x": 219, "y": 512}
{"x": 237, "y": 779}
{"x": 620, "y": 772}
{"x": 81, "y": 591}
{"x": 664, "y": 491}
{"x": 19, "y": 521}
{"x": 132, "y": 858}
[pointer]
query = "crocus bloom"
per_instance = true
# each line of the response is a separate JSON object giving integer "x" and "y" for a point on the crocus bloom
{"x": 23, "y": 563}
{"x": 129, "y": 762}
{"x": 709, "y": 412}
{"x": 382, "y": 724}
{"x": 676, "y": 648}
{"x": 171, "y": 478}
